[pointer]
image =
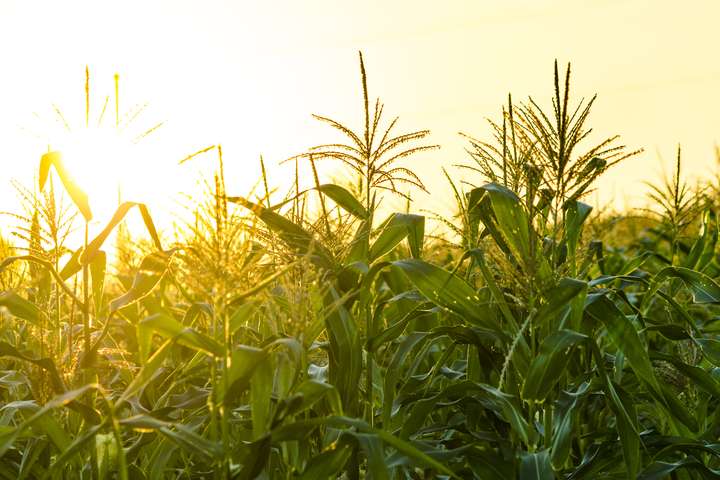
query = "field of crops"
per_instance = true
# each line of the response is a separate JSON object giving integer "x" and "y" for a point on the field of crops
{"x": 311, "y": 335}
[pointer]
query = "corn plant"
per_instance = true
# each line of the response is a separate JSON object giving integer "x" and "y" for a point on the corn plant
{"x": 268, "y": 339}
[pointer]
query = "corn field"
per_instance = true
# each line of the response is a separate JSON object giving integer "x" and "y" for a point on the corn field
{"x": 311, "y": 335}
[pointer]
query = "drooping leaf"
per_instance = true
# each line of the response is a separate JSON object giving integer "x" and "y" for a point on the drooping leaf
{"x": 182, "y": 435}
{"x": 296, "y": 237}
{"x": 151, "y": 270}
{"x": 21, "y": 308}
{"x": 576, "y": 214}
{"x": 170, "y": 328}
{"x": 703, "y": 288}
{"x": 394, "y": 230}
{"x": 509, "y": 225}
{"x": 78, "y": 196}
{"x": 345, "y": 199}
{"x": 56, "y": 382}
{"x": 446, "y": 290}
{"x": 663, "y": 470}
{"x": 88, "y": 255}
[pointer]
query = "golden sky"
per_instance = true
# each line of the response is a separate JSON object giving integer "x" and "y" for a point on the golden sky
{"x": 249, "y": 74}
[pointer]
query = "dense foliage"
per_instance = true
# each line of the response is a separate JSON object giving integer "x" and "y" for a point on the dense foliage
{"x": 308, "y": 338}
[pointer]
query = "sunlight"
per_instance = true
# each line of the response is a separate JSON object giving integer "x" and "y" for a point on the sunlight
{"x": 102, "y": 162}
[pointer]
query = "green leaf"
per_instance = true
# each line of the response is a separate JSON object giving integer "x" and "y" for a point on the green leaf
{"x": 7, "y": 440}
{"x": 395, "y": 229}
{"x": 261, "y": 388}
{"x": 501, "y": 403}
{"x": 245, "y": 362}
{"x": 312, "y": 392}
{"x": 393, "y": 372}
{"x": 702, "y": 379}
{"x": 296, "y": 237}
{"x": 69, "y": 451}
{"x": 703, "y": 288}
{"x": 627, "y": 427}
{"x": 419, "y": 411}
{"x": 670, "y": 331}
{"x": 96, "y": 243}
{"x": 97, "y": 275}
{"x": 372, "y": 446}
{"x": 510, "y": 226}
{"x": 56, "y": 382}
{"x": 395, "y": 330}
{"x": 548, "y": 366}
{"x": 21, "y": 308}
{"x": 559, "y": 297}
{"x": 78, "y": 196}
{"x": 182, "y": 435}
{"x": 151, "y": 270}
{"x": 623, "y": 334}
{"x": 711, "y": 349}
{"x": 170, "y": 328}
{"x": 446, "y": 290}
{"x": 329, "y": 462}
{"x": 536, "y": 466}
{"x": 72, "y": 266}
{"x": 575, "y": 216}
{"x": 563, "y": 425}
{"x": 149, "y": 368}
{"x": 360, "y": 245}
{"x": 344, "y": 199}
{"x": 345, "y": 355}
{"x": 412, "y": 452}
{"x": 253, "y": 458}
{"x": 676, "y": 408}
{"x": 197, "y": 309}
{"x": 626, "y": 421}
{"x": 663, "y": 470}
{"x": 703, "y": 249}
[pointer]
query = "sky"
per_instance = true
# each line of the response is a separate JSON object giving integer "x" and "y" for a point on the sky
{"x": 248, "y": 75}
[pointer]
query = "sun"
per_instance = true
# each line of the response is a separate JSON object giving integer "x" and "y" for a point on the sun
{"x": 99, "y": 160}
{"x": 104, "y": 149}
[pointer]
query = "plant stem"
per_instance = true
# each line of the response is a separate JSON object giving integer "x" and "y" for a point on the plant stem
{"x": 86, "y": 297}
{"x": 322, "y": 198}
{"x": 369, "y": 370}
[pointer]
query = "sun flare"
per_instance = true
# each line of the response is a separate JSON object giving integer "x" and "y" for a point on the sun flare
{"x": 100, "y": 162}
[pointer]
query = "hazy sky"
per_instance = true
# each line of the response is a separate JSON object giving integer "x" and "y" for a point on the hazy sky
{"x": 249, "y": 74}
